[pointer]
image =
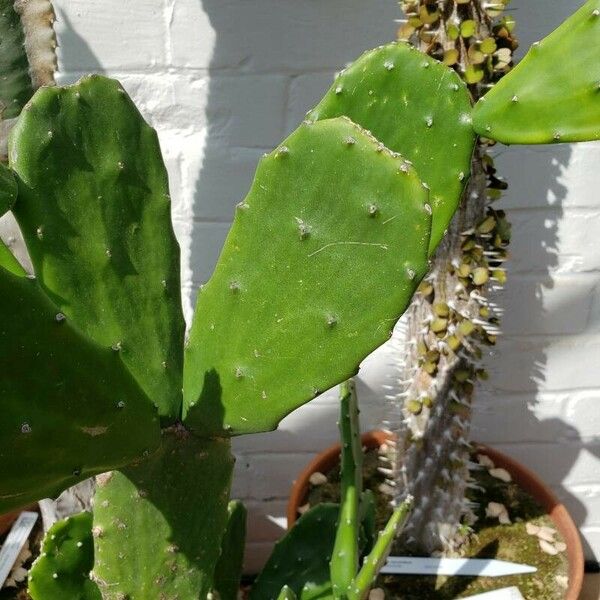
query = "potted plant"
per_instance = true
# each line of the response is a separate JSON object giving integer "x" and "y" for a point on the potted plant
{"x": 307, "y": 493}
{"x": 96, "y": 360}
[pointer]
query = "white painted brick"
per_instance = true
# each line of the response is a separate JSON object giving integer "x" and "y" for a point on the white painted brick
{"x": 256, "y": 556}
{"x": 272, "y": 475}
{"x": 110, "y": 34}
{"x": 550, "y": 176}
{"x": 582, "y": 412}
{"x": 267, "y": 520}
{"x": 305, "y": 92}
{"x": 205, "y": 246}
{"x": 591, "y": 543}
{"x": 554, "y": 240}
{"x": 247, "y": 110}
{"x": 225, "y": 180}
{"x": 539, "y": 305}
{"x": 505, "y": 418}
{"x": 582, "y": 501}
{"x": 528, "y": 364}
{"x": 277, "y": 35}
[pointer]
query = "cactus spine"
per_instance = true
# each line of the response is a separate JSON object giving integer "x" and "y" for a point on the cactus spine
{"x": 451, "y": 320}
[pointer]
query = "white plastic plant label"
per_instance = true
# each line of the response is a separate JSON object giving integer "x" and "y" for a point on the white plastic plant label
{"x": 14, "y": 543}
{"x": 482, "y": 567}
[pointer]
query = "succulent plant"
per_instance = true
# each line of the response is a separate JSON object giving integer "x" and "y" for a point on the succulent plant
{"x": 453, "y": 318}
{"x": 99, "y": 326}
{"x": 62, "y": 569}
{"x": 323, "y": 257}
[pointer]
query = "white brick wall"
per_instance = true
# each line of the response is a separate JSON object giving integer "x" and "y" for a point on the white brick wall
{"x": 223, "y": 80}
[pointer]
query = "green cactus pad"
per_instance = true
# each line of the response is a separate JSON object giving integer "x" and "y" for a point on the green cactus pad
{"x": 67, "y": 556}
{"x": 157, "y": 525}
{"x": 229, "y": 568}
{"x": 9, "y": 262}
{"x": 416, "y": 106}
{"x": 301, "y": 558}
{"x": 70, "y": 409}
{"x": 331, "y": 241}
{"x": 16, "y": 86}
{"x": 8, "y": 195}
{"x": 94, "y": 209}
{"x": 553, "y": 94}
{"x": 8, "y": 189}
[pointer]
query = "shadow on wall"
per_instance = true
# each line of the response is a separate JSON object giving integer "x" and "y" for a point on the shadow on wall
{"x": 522, "y": 384}
{"x": 547, "y": 303}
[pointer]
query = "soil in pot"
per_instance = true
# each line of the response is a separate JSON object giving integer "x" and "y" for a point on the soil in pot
{"x": 518, "y": 541}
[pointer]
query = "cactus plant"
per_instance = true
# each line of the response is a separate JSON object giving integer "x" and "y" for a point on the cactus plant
{"x": 67, "y": 556}
{"x": 323, "y": 257}
{"x": 158, "y": 523}
{"x": 114, "y": 191}
{"x": 451, "y": 320}
{"x": 228, "y": 571}
{"x": 69, "y": 339}
{"x": 253, "y": 381}
{"x": 416, "y": 106}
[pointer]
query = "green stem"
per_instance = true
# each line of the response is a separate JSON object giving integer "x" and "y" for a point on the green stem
{"x": 345, "y": 558}
{"x": 376, "y": 559}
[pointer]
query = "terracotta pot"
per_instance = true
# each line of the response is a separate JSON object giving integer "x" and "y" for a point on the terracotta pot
{"x": 7, "y": 520}
{"x": 528, "y": 481}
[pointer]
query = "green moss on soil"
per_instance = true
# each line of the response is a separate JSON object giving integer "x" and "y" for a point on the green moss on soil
{"x": 489, "y": 539}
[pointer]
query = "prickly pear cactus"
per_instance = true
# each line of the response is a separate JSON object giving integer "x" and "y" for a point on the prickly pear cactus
{"x": 63, "y": 568}
{"x": 62, "y": 396}
{"x": 548, "y": 99}
{"x": 158, "y": 524}
{"x": 92, "y": 202}
{"x": 8, "y": 189}
{"x": 228, "y": 571}
{"x": 331, "y": 215}
{"x": 417, "y": 107}
{"x": 8, "y": 195}
{"x": 451, "y": 321}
